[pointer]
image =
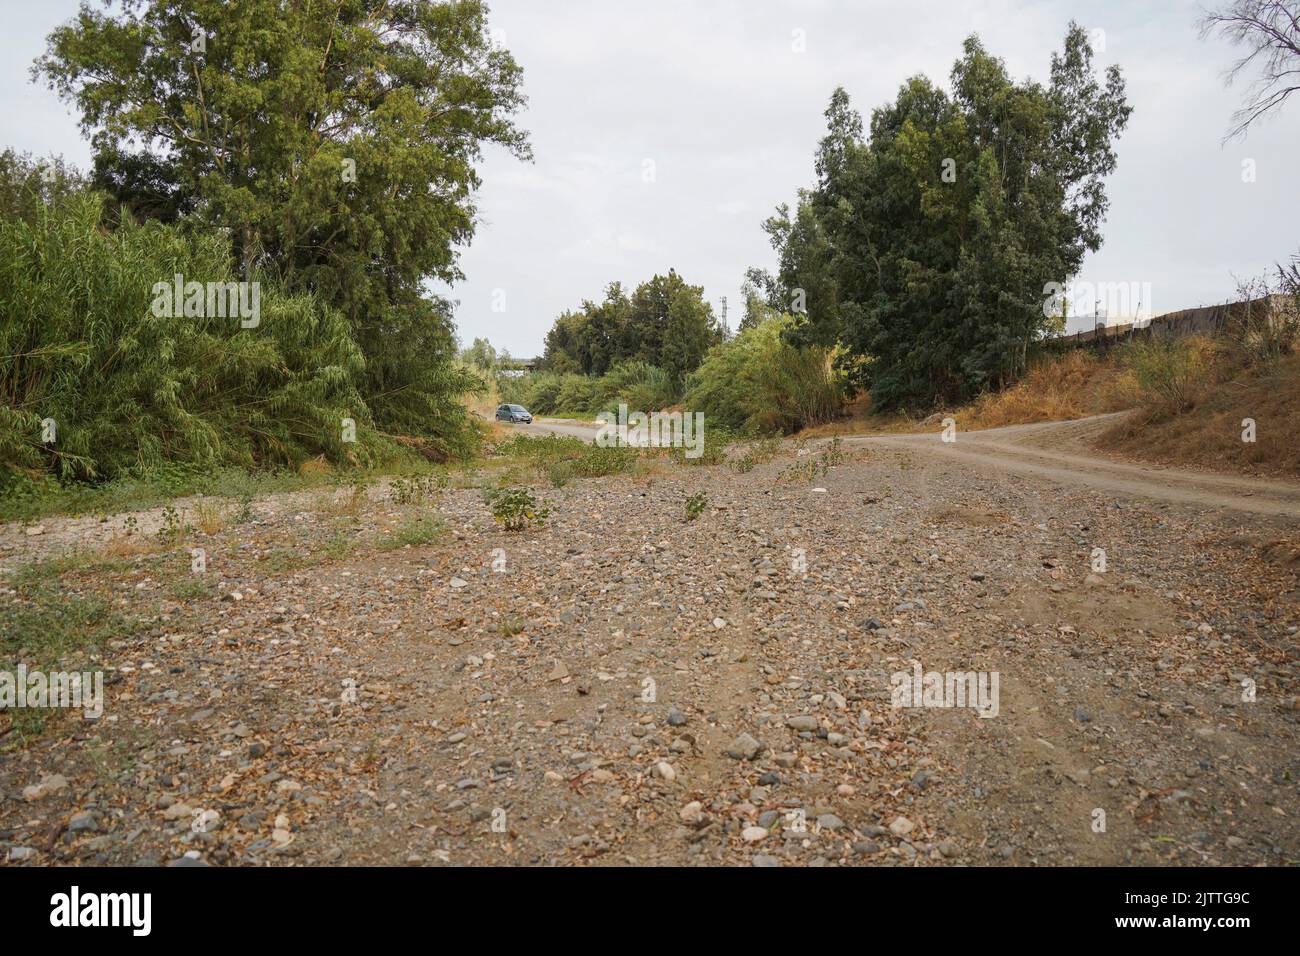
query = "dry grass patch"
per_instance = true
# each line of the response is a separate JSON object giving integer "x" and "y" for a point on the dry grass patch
{"x": 1072, "y": 385}
{"x": 1207, "y": 430}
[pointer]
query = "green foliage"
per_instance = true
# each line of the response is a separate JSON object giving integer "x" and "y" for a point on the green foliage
{"x": 717, "y": 439}
{"x": 805, "y": 469}
{"x": 927, "y": 245}
{"x": 560, "y": 458}
{"x": 1168, "y": 371}
{"x": 759, "y": 382}
{"x": 48, "y": 622}
{"x": 481, "y": 355}
{"x": 173, "y": 529}
{"x": 131, "y": 393}
{"x": 665, "y": 323}
{"x": 414, "y": 533}
{"x": 515, "y": 509}
{"x": 640, "y": 386}
{"x": 695, "y": 505}
{"x": 336, "y": 147}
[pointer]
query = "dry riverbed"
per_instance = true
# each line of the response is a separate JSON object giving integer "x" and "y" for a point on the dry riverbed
{"x": 357, "y": 681}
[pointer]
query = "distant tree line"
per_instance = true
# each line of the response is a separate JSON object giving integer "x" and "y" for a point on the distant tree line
{"x": 665, "y": 322}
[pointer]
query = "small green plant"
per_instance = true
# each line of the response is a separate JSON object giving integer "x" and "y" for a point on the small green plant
{"x": 559, "y": 474}
{"x": 191, "y": 589}
{"x": 420, "y": 531}
{"x": 245, "y": 513}
{"x": 744, "y": 464}
{"x": 130, "y": 525}
{"x": 515, "y": 509}
{"x": 803, "y": 470}
{"x": 695, "y": 505}
{"x": 339, "y": 546}
{"x": 715, "y": 440}
{"x": 512, "y": 625}
{"x": 833, "y": 454}
{"x": 173, "y": 529}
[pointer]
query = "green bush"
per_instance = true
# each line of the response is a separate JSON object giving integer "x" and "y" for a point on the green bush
{"x": 759, "y": 383}
{"x": 515, "y": 508}
{"x": 1168, "y": 372}
{"x": 131, "y": 393}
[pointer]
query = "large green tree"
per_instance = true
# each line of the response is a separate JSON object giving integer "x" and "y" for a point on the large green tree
{"x": 334, "y": 141}
{"x": 925, "y": 248}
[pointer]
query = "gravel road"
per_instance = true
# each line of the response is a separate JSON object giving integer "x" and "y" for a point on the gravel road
{"x": 627, "y": 687}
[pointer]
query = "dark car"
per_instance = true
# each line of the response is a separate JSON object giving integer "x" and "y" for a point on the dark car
{"x": 514, "y": 413}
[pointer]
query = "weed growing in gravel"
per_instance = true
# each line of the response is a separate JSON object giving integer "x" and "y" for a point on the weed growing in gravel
{"x": 716, "y": 442}
{"x": 191, "y": 589}
{"x": 560, "y": 458}
{"x": 695, "y": 505}
{"x": 41, "y": 573}
{"x": 515, "y": 508}
{"x": 757, "y": 453}
{"x": 339, "y": 546}
{"x": 47, "y": 627}
{"x": 833, "y": 454}
{"x": 413, "y": 533}
{"x": 559, "y": 474}
{"x": 173, "y": 529}
{"x": 803, "y": 470}
{"x": 281, "y": 561}
{"x": 209, "y": 517}
{"x": 245, "y": 513}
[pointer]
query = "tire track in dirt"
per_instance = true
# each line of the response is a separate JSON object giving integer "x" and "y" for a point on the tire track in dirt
{"x": 1056, "y": 451}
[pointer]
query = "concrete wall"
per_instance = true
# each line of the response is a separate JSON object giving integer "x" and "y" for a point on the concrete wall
{"x": 1206, "y": 320}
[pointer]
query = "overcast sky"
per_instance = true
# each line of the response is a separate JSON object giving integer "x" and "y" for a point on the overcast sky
{"x": 719, "y": 97}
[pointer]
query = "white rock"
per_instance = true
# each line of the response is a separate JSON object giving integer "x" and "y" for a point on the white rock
{"x": 754, "y": 834}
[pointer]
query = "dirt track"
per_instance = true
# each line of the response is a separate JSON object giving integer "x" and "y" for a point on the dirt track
{"x": 1058, "y": 451}
{"x": 629, "y": 687}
